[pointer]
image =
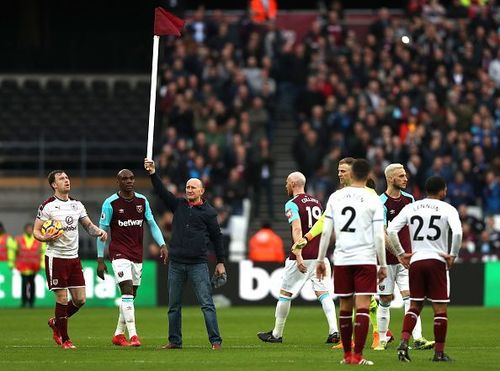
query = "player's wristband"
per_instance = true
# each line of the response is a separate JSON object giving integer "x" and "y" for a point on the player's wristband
{"x": 308, "y": 236}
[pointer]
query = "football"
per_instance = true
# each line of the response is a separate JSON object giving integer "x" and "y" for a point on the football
{"x": 51, "y": 227}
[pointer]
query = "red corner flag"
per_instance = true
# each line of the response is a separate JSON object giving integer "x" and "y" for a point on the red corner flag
{"x": 166, "y": 23}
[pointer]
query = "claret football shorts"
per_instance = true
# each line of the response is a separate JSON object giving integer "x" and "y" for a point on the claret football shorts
{"x": 351, "y": 280}
{"x": 429, "y": 279}
{"x": 63, "y": 273}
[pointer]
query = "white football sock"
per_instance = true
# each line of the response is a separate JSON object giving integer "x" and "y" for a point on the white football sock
{"x": 128, "y": 312}
{"x": 383, "y": 319}
{"x": 121, "y": 325}
{"x": 329, "y": 309}
{"x": 282, "y": 310}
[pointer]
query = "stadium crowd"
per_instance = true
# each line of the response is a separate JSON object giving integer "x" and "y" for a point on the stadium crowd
{"x": 422, "y": 90}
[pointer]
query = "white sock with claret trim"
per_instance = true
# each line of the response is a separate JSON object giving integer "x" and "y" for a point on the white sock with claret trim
{"x": 121, "y": 325}
{"x": 329, "y": 309}
{"x": 282, "y": 310}
{"x": 128, "y": 312}
{"x": 383, "y": 319}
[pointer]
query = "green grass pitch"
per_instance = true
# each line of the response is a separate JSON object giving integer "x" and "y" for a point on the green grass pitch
{"x": 26, "y": 343}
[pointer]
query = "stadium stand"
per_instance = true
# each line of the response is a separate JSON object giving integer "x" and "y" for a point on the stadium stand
{"x": 419, "y": 88}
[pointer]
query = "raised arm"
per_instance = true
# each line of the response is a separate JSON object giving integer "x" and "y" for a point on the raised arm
{"x": 171, "y": 202}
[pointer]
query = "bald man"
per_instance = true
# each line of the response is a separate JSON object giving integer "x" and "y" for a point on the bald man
{"x": 195, "y": 230}
{"x": 124, "y": 214}
{"x": 302, "y": 211}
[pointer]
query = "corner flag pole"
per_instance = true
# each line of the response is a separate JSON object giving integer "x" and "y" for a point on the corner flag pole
{"x": 152, "y": 96}
{"x": 165, "y": 24}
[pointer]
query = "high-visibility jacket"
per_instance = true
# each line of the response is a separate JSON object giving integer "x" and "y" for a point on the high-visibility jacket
{"x": 263, "y": 10}
{"x": 266, "y": 246}
{"x": 29, "y": 254}
{"x": 3, "y": 247}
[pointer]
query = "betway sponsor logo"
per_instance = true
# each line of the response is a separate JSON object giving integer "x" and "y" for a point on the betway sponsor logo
{"x": 70, "y": 228}
{"x": 130, "y": 223}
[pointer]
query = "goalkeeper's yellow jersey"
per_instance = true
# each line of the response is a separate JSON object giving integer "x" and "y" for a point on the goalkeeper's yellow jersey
{"x": 317, "y": 228}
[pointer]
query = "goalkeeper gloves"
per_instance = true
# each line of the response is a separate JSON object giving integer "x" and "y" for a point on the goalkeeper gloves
{"x": 301, "y": 243}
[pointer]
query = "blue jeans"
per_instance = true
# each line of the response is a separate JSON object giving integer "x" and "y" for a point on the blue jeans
{"x": 178, "y": 274}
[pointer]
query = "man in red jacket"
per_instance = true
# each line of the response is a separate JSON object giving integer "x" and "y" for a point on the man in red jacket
{"x": 266, "y": 246}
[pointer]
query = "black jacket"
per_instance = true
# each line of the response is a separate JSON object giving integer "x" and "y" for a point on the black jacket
{"x": 194, "y": 228}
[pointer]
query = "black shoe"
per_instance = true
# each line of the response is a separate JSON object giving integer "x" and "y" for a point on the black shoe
{"x": 403, "y": 355}
{"x": 441, "y": 357}
{"x": 269, "y": 338}
{"x": 171, "y": 346}
{"x": 333, "y": 338}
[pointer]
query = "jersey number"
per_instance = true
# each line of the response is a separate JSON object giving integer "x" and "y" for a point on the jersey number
{"x": 346, "y": 227}
{"x": 420, "y": 222}
{"x": 313, "y": 213}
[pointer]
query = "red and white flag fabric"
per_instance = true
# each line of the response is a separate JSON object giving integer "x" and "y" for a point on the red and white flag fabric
{"x": 166, "y": 23}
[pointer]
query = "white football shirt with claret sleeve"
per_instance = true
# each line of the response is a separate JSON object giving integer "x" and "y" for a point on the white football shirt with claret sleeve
{"x": 354, "y": 212}
{"x": 430, "y": 221}
{"x": 69, "y": 214}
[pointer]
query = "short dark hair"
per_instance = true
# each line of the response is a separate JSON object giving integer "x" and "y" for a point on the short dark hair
{"x": 370, "y": 183}
{"x": 434, "y": 185}
{"x": 52, "y": 176}
{"x": 347, "y": 160}
{"x": 360, "y": 169}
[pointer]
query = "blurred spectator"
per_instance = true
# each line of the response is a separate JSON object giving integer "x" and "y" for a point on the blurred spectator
{"x": 485, "y": 245}
{"x": 235, "y": 191}
{"x": 263, "y": 173}
{"x": 381, "y": 24}
{"x": 199, "y": 27}
{"x": 456, "y": 10}
{"x": 433, "y": 11}
{"x": 266, "y": 246}
{"x": 491, "y": 194}
{"x": 476, "y": 225}
{"x": 493, "y": 231}
{"x": 308, "y": 154}
{"x": 263, "y": 10}
{"x": 460, "y": 191}
{"x": 223, "y": 213}
{"x": 468, "y": 241}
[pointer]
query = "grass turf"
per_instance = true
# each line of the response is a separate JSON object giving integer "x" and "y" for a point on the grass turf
{"x": 26, "y": 342}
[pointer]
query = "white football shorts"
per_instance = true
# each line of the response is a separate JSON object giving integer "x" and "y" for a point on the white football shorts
{"x": 294, "y": 280}
{"x": 396, "y": 275}
{"x": 126, "y": 270}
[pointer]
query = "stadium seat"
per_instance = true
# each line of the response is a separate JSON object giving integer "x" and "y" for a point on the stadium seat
{"x": 77, "y": 87}
{"x": 121, "y": 88}
{"x": 99, "y": 88}
{"x": 54, "y": 86}
{"x": 32, "y": 86}
{"x": 10, "y": 85}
